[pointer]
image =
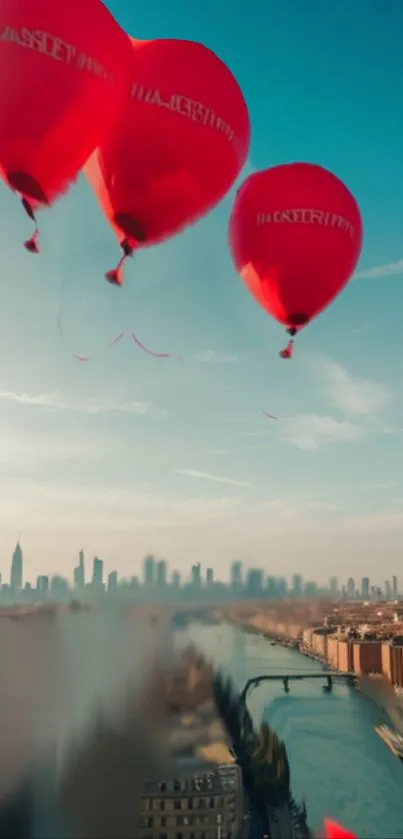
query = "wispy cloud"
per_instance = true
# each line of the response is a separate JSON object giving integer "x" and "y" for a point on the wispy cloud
{"x": 310, "y": 432}
{"x": 25, "y": 452}
{"x": 213, "y": 357}
{"x": 390, "y": 269}
{"x": 350, "y": 394}
{"x": 218, "y": 479}
{"x": 57, "y": 402}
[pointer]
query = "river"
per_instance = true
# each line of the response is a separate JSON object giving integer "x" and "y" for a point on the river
{"x": 338, "y": 763}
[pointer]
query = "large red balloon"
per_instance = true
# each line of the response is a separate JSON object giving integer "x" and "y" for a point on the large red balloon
{"x": 296, "y": 237}
{"x": 178, "y": 147}
{"x": 64, "y": 75}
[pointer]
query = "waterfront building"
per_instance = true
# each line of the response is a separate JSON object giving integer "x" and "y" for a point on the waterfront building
{"x": 367, "y": 656}
{"x": 392, "y": 660}
{"x": 202, "y": 806}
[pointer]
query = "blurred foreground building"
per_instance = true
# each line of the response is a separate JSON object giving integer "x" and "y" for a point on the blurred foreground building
{"x": 203, "y": 806}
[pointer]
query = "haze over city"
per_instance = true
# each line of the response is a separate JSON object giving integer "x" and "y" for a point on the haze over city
{"x": 127, "y": 454}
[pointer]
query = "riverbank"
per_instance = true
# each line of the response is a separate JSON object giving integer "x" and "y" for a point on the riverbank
{"x": 338, "y": 762}
{"x": 377, "y": 690}
{"x": 265, "y": 632}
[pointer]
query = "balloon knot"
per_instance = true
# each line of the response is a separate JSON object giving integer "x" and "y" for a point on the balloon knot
{"x": 288, "y": 351}
{"x": 32, "y": 244}
{"x": 115, "y": 277}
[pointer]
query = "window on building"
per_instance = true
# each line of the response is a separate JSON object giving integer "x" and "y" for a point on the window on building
{"x": 190, "y": 803}
{"x": 163, "y": 821}
{"x": 177, "y": 804}
{"x": 150, "y": 822}
{"x": 211, "y": 804}
{"x": 202, "y": 803}
{"x": 179, "y": 835}
{"x": 162, "y": 805}
{"x": 163, "y": 836}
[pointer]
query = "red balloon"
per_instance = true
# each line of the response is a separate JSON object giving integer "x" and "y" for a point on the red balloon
{"x": 296, "y": 237}
{"x": 64, "y": 75}
{"x": 177, "y": 148}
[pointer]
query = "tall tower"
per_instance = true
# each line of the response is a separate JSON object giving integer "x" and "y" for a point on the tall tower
{"x": 97, "y": 572}
{"x": 81, "y": 565}
{"x": 149, "y": 571}
{"x": 16, "y": 569}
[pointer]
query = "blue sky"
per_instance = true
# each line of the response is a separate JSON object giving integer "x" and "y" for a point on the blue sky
{"x": 128, "y": 454}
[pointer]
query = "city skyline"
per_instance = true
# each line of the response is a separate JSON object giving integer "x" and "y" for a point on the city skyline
{"x": 129, "y": 454}
{"x": 158, "y": 578}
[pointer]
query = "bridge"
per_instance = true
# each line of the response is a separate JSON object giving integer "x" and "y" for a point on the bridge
{"x": 328, "y": 677}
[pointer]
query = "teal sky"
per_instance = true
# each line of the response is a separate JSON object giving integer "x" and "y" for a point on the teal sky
{"x": 128, "y": 454}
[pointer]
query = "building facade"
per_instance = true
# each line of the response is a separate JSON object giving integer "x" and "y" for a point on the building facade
{"x": 205, "y": 806}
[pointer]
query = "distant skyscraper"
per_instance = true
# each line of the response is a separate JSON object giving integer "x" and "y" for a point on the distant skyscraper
{"x": 196, "y": 575}
{"x": 112, "y": 582}
{"x": 254, "y": 582}
{"x": 209, "y": 577}
{"x": 97, "y": 572}
{"x": 42, "y": 584}
{"x": 236, "y": 574}
{"x": 59, "y": 587}
{"x": 16, "y": 569}
{"x": 149, "y": 571}
{"x": 394, "y": 587}
{"x": 176, "y": 579}
{"x": 161, "y": 568}
{"x": 350, "y": 587}
{"x": 388, "y": 590}
{"x": 297, "y": 585}
{"x": 365, "y": 588}
{"x": 333, "y": 586}
{"x": 81, "y": 570}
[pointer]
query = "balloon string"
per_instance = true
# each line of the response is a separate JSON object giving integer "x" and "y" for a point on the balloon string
{"x": 288, "y": 351}
{"x": 78, "y": 356}
{"x": 154, "y": 354}
{"x": 32, "y": 244}
{"x": 115, "y": 277}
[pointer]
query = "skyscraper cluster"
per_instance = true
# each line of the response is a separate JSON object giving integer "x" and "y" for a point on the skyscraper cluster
{"x": 157, "y": 582}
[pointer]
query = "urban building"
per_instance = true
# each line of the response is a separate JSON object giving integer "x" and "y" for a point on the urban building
{"x": 97, "y": 573}
{"x": 392, "y": 660}
{"x": 236, "y": 575}
{"x": 42, "y": 585}
{"x": 350, "y": 588}
{"x": 16, "y": 569}
{"x": 112, "y": 582}
{"x": 297, "y": 585}
{"x": 149, "y": 571}
{"x": 254, "y": 582}
{"x": 196, "y": 575}
{"x": 161, "y": 573}
{"x": 204, "y": 806}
